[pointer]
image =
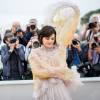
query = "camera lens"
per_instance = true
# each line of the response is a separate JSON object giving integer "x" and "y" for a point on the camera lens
{"x": 13, "y": 40}
{"x": 32, "y": 27}
{"x": 74, "y": 42}
{"x": 36, "y": 44}
{"x": 92, "y": 25}
{"x": 94, "y": 45}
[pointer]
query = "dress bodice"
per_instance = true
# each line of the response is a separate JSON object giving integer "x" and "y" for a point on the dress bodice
{"x": 54, "y": 57}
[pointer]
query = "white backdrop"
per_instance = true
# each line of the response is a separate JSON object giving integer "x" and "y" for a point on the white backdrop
{"x": 23, "y": 10}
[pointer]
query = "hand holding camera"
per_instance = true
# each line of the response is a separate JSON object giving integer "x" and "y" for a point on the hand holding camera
{"x": 29, "y": 45}
{"x": 33, "y": 43}
{"x": 90, "y": 26}
{"x": 78, "y": 47}
{"x": 17, "y": 44}
{"x": 76, "y": 44}
{"x": 14, "y": 43}
{"x": 12, "y": 46}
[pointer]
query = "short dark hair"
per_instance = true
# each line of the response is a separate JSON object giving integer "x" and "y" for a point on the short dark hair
{"x": 46, "y": 31}
{"x": 8, "y": 35}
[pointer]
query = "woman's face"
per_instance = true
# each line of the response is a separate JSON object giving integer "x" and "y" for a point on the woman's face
{"x": 48, "y": 42}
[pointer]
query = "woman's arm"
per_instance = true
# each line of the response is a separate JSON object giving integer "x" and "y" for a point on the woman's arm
{"x": 37, "y": 70}
{"x": 43, "y": 69}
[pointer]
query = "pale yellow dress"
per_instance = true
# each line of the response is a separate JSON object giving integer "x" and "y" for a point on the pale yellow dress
{"x": 47, "y": 85}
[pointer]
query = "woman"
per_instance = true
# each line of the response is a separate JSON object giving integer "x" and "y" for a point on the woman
{"x": 50, "y": 73}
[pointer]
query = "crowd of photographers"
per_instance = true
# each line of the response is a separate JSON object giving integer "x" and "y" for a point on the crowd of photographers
{"x": 83, "y": 54}
{"x": 15, "y": 51}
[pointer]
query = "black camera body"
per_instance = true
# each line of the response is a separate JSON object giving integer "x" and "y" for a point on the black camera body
{"x": 94, "y": 45}
{"x": 75, "y": 42}
{"x": 13, "y": 40}
{"x": 32, "y": 27}
{"x": 91, "y": 25}
{"x": 86, "y": 69}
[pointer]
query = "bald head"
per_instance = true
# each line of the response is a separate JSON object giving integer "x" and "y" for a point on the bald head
{"x": 16, "y": 24}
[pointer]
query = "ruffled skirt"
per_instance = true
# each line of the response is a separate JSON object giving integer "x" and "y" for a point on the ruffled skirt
{"x": 56, "y": 89}
{"x": 52, "y": 89}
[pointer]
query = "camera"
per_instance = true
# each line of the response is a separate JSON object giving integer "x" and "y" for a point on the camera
{"x": 13, "y": 40}
{"x": 91, "y": 25}
{"x": 75, "y": 42}
{"x": 86, "y": 69}
{"x": 32, "y": 27}
{"x": 94, "y": 45}
{"x": 35, "y": 42}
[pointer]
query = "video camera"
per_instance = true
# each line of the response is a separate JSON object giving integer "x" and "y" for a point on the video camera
{"x": 35, "y": 42}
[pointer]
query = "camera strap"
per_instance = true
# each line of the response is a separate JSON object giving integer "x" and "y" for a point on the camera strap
{"x": 89, "y": 36}
{"x": 99, "y": 59}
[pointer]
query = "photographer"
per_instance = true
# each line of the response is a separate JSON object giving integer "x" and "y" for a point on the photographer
{"x": 12, "y": 57}
{"x": 94, "y": 57}
{"x": 74, "y": 53}
{"x": 32, "y": 44}
{"x": 94, "y": 52}
{"x": 91, "y": 30}
{"x": 20, "y": 35}
{"x": 32, "y": 30}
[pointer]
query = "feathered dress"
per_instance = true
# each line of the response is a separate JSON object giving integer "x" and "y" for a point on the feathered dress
{"x": 52, "y": 78}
